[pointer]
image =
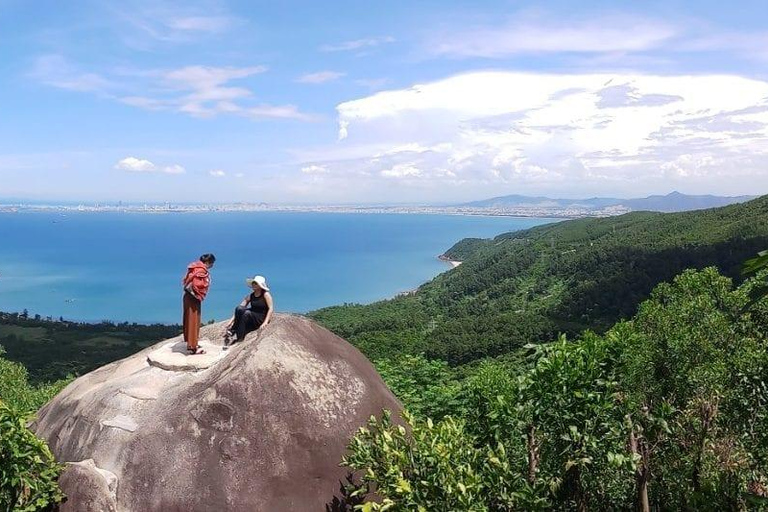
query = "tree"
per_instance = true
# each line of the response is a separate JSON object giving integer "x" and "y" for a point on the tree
{"x": 754, "y": 266}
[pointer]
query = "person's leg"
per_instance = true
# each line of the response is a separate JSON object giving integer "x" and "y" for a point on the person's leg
{"x": 194, "y": 323}
{"x": 186, "y": 308}
{"x": 239, "y": 310}
{"x": 250, "y": 322}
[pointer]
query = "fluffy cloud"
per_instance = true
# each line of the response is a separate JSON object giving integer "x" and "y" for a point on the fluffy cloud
{"x": 133, "y": 164}
{"x": 539, "y": 131}
{"x": 320, "y": 77}
{"x": 217, "y": 173}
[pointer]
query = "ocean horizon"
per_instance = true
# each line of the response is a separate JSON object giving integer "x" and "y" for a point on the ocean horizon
{"x": 122, "y": 267}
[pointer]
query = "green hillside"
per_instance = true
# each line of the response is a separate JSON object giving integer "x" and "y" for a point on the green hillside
{"x": 528, "y": 286}
{"x": 52, "y": 350}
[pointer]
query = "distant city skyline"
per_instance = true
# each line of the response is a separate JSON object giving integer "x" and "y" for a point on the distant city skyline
{"x": 214, "y": 101}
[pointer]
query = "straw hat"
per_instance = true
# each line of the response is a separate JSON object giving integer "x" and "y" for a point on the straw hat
{"x": 260, "y": 280}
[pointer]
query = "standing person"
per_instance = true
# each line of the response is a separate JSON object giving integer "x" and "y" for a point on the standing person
{"x": 254, "y": 312}
{"x": 196, "y": 284}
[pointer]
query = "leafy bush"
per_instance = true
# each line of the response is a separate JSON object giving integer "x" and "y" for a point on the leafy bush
{"x": 666, "y": 411}
{"x": 17, "y": 392}
{"x": 28, "y": 472}
{"x": 426, "y": 388}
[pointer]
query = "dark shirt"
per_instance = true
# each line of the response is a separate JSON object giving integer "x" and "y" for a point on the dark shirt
{"x": 258, "y": 305}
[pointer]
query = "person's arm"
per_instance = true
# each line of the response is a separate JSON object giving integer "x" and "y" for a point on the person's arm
{"x": 270, "y": 305}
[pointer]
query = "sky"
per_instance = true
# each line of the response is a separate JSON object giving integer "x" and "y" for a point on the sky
{"x": 361, "y": 102}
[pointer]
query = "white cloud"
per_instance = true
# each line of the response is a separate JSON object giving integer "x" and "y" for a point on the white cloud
{"x": 217, "y": 173}
{"x": 753, "y": 45}
{"x": 56, "y": 71}
{"x": 140, "y": 165}
{"x": 174, "y": 169}
{"x": 147, "y": 24}
{"x": 402, "y": 171}
{"x": 134, "y": 164}
{"x": 523, "y": 34}
{"x": 320, "y": 77}
{"x": 212, "y": 24}
{"x": 277, "y": 112}
{"x": 198, "y": 91}
{"x": 372, "y": 83}
{"x": 357, "y": 44}
{"x": 549, "y": 131}
{"x": 204, "y": 78}
{"x": 202, "y": 91}
{"x": 314, "y": 169}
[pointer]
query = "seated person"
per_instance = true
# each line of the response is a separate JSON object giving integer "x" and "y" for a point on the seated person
{"x": 255, "y": 311}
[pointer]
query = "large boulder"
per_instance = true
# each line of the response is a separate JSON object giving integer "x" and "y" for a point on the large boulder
{"x": 259, "y": 427}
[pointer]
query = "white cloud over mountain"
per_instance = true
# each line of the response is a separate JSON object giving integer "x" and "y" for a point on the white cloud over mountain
{"x": 540, "y": 131}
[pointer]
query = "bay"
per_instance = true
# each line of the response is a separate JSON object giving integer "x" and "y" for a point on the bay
{"x": 95, "y": 266}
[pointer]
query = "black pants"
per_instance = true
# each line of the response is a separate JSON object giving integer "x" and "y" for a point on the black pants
{"x": 246, "y": 321}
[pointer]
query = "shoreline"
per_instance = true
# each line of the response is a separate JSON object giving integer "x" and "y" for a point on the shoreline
{"x": 446, "y": 259}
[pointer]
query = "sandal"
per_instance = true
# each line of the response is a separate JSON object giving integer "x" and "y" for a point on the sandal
{"x": 194, "y": 352}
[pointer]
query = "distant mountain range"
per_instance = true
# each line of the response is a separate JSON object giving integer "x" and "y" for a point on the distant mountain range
{"x": 673, "y": 202}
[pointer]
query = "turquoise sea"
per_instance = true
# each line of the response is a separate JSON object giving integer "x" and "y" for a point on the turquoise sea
{"x": 128, "y": 266}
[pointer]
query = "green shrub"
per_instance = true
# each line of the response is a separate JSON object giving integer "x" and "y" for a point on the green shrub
{"x": 17, "y": 392}
{"x": 28, "y": 472}
{"x": 667, "y": 411}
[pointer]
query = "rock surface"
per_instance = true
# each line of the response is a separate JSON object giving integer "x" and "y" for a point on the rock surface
{"x": 259, "y": 427}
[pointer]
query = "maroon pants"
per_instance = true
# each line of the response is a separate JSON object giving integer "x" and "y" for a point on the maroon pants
{"x": 192, "y": 313}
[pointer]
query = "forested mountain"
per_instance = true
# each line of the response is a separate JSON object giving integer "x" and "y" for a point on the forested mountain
{"x": 672, "y": 202}
{"x": 528, "y": 286}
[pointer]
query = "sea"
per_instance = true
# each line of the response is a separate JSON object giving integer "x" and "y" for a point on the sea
{"x": 127, "y": 267}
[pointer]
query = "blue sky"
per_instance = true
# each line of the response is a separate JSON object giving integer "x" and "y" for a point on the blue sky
{"x": 360, "y": 102}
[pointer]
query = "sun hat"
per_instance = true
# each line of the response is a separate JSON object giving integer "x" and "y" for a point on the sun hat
{"x": 260, "y": 280}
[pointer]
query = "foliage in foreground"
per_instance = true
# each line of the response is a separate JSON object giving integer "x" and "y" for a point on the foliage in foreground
{"x": 667, "y": 411}
{"x": 28, "y": 471}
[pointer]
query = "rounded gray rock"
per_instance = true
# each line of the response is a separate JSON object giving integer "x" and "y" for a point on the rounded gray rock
{"x": 259, "y": 427}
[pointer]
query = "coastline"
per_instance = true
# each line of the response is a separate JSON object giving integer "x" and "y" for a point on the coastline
{"x": 446, "y": 259}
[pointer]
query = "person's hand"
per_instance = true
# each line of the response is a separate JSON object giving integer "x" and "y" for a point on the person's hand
{"x": 191, "y": 291}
